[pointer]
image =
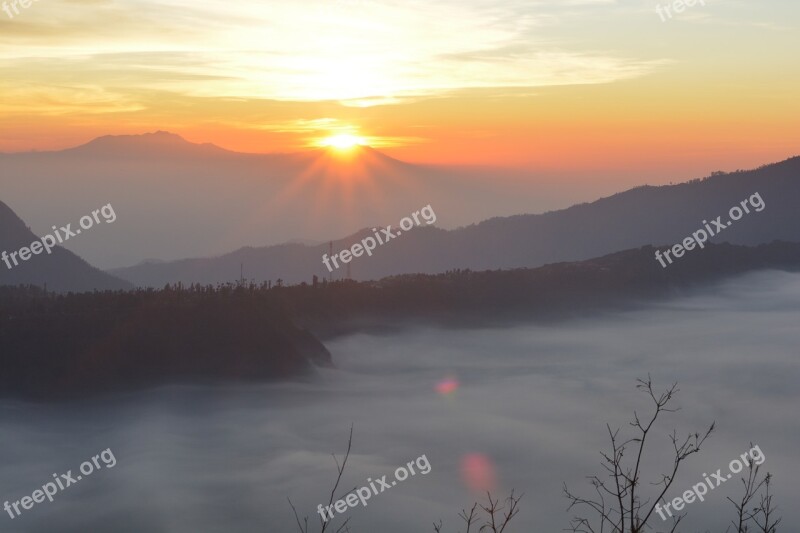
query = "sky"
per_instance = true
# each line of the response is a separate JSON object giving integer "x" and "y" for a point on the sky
{"x": 567, "y": 86}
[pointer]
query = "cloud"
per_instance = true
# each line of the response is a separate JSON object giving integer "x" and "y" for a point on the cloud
{"x": 357, "y": 51}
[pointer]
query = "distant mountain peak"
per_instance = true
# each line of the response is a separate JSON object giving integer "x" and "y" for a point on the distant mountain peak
{"x": 154, "y": 143}
{"x": 159, "y": 136}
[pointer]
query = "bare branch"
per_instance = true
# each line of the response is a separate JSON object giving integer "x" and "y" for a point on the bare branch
{"x": 340, "y": 471}
{"x": 297, "y": 518}
{"x": 630, "y": 512}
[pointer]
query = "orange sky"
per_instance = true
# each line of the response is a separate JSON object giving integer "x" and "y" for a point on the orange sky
{"x": 596, "y": 85}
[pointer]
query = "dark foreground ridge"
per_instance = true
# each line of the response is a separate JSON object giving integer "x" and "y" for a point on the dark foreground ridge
{"x": 463, "y": 298}
{"x": 77, "y": 345}
{"x": 61, "y": 346}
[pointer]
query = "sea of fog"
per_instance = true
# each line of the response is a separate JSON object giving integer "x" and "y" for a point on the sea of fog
{"x": 520, "y": 408}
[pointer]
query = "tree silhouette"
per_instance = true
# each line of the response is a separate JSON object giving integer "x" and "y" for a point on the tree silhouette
{"x": 619, "y": 505}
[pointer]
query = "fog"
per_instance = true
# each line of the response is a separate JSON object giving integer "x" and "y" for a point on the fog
{"x": 209, "y": 205}
{"x": 531, "y": 400}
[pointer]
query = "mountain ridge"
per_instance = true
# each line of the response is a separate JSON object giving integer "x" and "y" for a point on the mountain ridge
{"x": 200, "y": 200}
{"x": 621, "y": 221}
{"x": 61, "y": 271}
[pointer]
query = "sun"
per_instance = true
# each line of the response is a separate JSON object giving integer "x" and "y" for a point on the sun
{"x": 343, "y": 141}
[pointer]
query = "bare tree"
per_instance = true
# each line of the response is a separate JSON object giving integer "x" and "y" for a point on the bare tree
{"x": 761, "y": 515}
{"x": 766, "y": 511}
{"x": 470, "y": 518}
{"x": 497, "y": 515}
{"x": 618, "y": 505}
{"x": 745, "y": 514}
{"x": 303, "y": 527}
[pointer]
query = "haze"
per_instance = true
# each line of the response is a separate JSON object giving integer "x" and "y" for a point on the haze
{"x": 534, "y": 400}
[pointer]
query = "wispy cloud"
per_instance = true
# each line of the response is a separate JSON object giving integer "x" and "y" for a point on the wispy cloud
{"x": 358, "y": 51}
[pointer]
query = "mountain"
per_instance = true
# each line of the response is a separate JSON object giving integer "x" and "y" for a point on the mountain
{"x": 466, "y": 298}
{"x": 642, "y": 216}
{"x": 159, "y": 143}
{"x": 60, "y": 271}
{"x": 105, "y": 342}
{"x": 181, "y": 199}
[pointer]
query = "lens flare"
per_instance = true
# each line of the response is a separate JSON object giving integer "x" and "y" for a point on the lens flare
{"x": 478, "y": 472}
{"x": 447, "y": 386}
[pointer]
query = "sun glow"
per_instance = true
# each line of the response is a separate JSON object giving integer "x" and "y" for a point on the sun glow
{"x": 343, "y": 141}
